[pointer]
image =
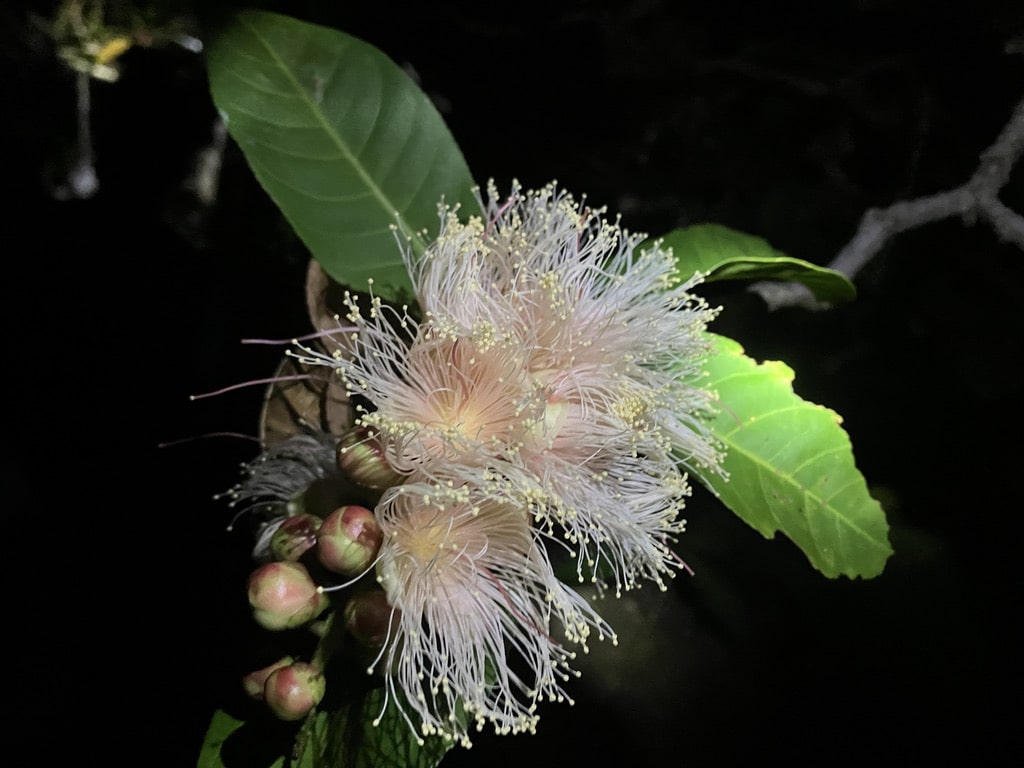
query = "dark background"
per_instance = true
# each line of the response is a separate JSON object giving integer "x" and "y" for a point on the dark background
{"x": 126, "y": 595}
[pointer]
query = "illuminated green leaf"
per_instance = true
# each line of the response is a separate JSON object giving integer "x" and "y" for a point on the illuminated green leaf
{"x": 725, "y": 254}
{"x": 791, "y": 467}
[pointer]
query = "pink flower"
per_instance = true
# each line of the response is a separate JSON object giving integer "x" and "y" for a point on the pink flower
{"x": 471, "y": 588}
{"x": 548, "y": 393}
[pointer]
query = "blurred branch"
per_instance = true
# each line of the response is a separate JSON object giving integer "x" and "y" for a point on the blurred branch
{"x": 205, "y": 178}
{"x": 82, "y": 181}
{"x": 978, "y": 198}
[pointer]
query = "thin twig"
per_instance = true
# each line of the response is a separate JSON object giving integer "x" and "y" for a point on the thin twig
{"x": 82, "y": 181}
{"x": 977, "y": 199}
{"x": 205, "y": 179}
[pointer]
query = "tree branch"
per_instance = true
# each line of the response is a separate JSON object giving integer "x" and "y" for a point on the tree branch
{"x": 978, "y": 198}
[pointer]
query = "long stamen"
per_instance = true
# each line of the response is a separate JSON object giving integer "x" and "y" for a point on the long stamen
{"x": 353, "y": 580}
{"x": 183, "y": 440}
{"x": 253, "y": 383}
{"x": 515, "y": 611}
{"x": 296, "y": 339}
{"x": 512, "y": 200}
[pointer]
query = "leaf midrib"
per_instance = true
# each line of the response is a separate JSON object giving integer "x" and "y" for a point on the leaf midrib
{"x": 414, "y": 239}
{"x": 767, "y": 468}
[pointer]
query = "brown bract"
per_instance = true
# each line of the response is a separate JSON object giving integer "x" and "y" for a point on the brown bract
{"x": 319, "y": 401}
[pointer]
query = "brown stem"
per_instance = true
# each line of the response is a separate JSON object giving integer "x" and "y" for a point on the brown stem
{"x": 978, "y": 198}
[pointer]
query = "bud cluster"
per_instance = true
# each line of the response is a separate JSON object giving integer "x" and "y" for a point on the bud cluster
{"x": 308, "y": 555}
{"x": 290, "y": 688}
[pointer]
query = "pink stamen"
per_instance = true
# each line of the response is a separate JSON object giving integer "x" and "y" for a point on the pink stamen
{"x": 682, "y": 563}
{"x": 465, "y": 385}
{"x": 255, "y": 382}
{"x": 490, "y": 224}
{"x": 724, "y": 407}
{"x": 183, "y": 440}
{"x": 515, "y": 611}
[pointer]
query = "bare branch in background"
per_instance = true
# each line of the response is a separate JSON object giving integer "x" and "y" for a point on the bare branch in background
{"x": 205, "y": 178}
{"x": 977, "y": 199}
{"x": 90, "y": 41}
{"x": 82, "y": 181}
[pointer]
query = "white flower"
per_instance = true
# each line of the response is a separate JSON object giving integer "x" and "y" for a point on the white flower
{"x": 441, "y": 400}
{"x": 555, "y": 364}
{"x": 587, "y": 307}
{"x": 549, "y": 393}
{"x": 474, "y": 599}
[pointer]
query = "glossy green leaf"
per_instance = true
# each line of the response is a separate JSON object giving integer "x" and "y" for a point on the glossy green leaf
{"x": 342, "y": 140}
{"x": 791, "y": 467}
{"x": 222, "y": 727}
{"x": 725, "y": 254}
{"x": 347, "y": 737}
{"x": 310, "y": 750}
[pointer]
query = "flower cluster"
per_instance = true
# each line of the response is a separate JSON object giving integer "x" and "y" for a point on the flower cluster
{"x": 546, "y": 395}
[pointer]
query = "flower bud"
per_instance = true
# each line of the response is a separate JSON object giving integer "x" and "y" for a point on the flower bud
{"x": 254, "y": 682}
{"x": 367, "y": 616}
{"x": 294, "y": 537}
{"x": 348, "y": 540}
{"x": 292, "y": 691}
{"x": 361, "y": 457}
{"x": 283, "y": 596}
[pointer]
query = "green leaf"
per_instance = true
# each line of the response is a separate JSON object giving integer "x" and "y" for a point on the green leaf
{"x": 311, "y": 743}
{"x": 726, "y": 254}
{"x": 346, "y": 737}
{"x": 791, "y": 467}
{"x": 341, "y": 139}
{"x": 222, "y": 727}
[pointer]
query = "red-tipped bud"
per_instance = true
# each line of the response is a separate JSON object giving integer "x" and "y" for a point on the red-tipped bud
{"x": 283, "y": 596}
{"x": 292, "y": 691}
{"x": 361, "y": 457}
{"x": 254, "y": 682}
{"x": 294, "y": 537}
{"x": 349, "y": 540}
{"x": 367, "y": 616}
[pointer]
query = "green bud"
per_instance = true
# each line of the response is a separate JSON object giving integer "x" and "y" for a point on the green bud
{"x": 294, "y": 537}
{"x": 348, "y": 540}
{"x": 361, "y": 457}
{"x": 255, "y": 682}
{"x": 292, "y": 691}
{"x": 283, "y": 596}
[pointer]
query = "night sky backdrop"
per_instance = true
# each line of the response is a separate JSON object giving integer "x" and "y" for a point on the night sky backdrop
{"x": 128, "y": 595}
